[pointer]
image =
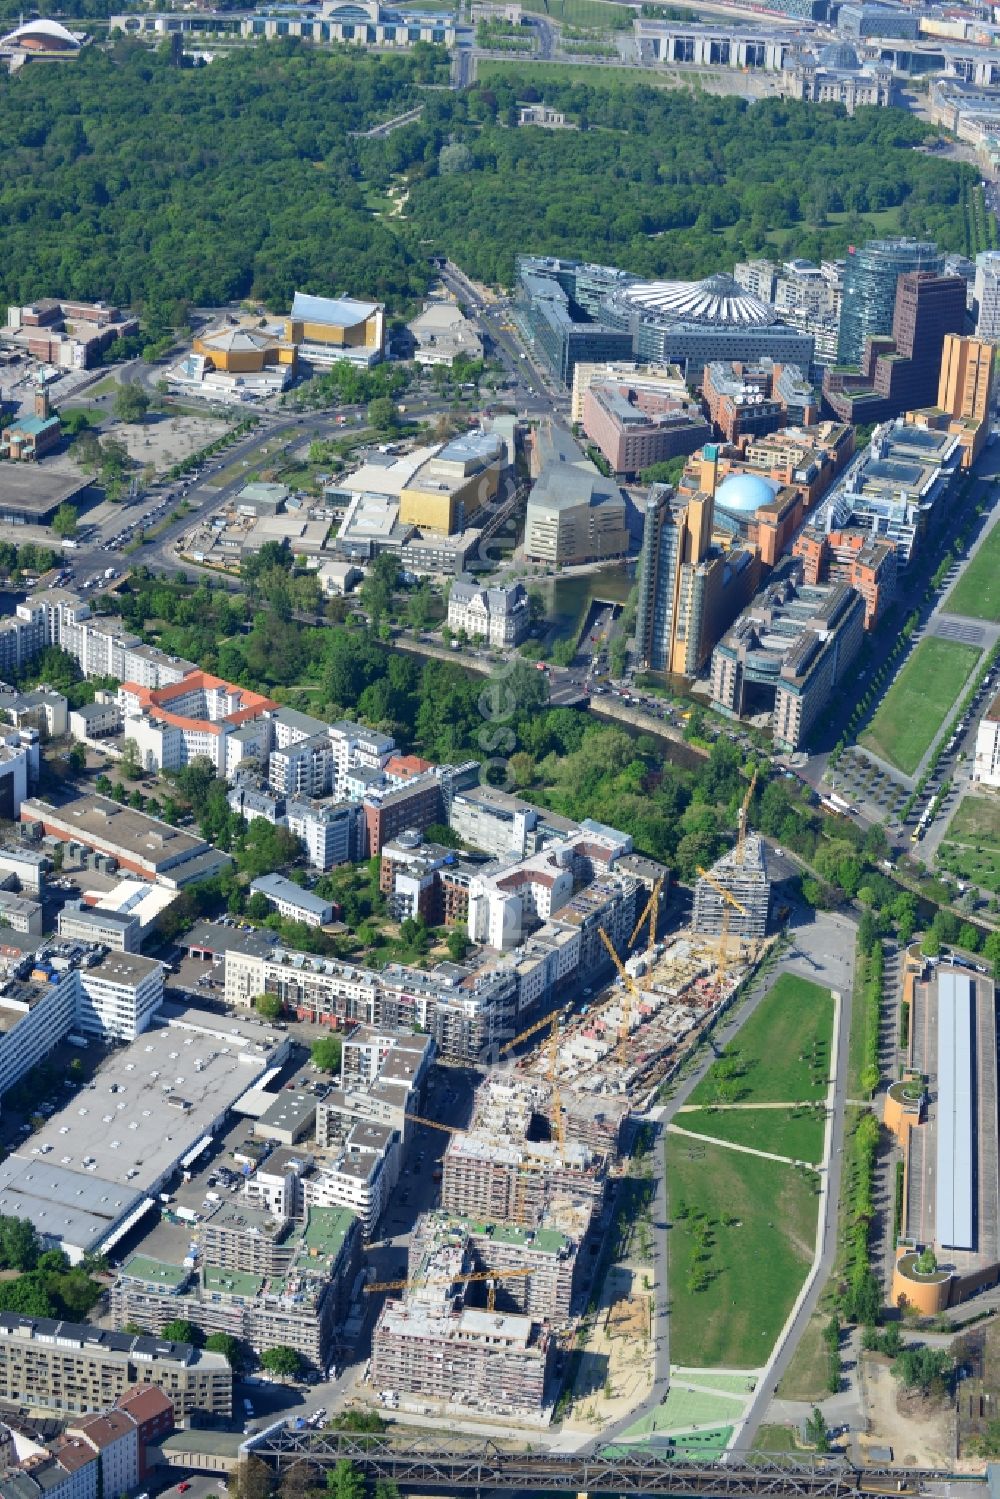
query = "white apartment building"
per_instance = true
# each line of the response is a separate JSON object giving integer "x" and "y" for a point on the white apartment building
{"x": 115, "y": 1436}
{"x": 504, "y": 905}
{"x": 19, "y": 758}
{"x": 331, "y": 834}
{"x": 986, "y": 766}
{"x": 304, "y": 767}
{"x": 291, "y": 901}
{"x": 499, "y": 615}
{"x": 362, "y": 1177}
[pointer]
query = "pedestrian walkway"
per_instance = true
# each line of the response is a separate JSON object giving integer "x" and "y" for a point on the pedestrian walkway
{"x": 699, "y": 1108}
{"x": 766, "y": 1155}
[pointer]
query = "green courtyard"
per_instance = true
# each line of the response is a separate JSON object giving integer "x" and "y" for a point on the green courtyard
{"x": 977, "y": 592}
{"x": 919, "y": 701}
{"x": 970, "y": 848}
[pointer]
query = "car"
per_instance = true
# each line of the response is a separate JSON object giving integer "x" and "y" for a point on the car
{"x": 182, "y": 1488}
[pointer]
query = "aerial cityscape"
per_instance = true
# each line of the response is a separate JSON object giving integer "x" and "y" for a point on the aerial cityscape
{"x": 500, "y": 749}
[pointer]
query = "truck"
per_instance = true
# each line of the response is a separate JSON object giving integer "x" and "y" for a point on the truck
{"x": 70, "y": 544}
{"x": 109, "y": 573}
{"x": 186, "y": 1215}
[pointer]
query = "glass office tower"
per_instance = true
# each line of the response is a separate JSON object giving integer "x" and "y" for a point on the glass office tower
{"x": 870, "y": 289}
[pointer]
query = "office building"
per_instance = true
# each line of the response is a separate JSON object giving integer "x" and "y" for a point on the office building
{"x": 692, "y": 323}
{"x": 742, "y": 873}
{"x": 965, "y": 389}
{"x": 853, "y": 557}
{"x": 92, "y": 1171}
{"x": 113, "y": 929}
{"x": 454, "y": 483}
{"x": 332, "y": 833}
{"x": 787, "y": 652}
{"x": 442, "y": 333}
{"x": 19, "y": 764}
{"x": 499, "y": 615}
{"x": 805, "y": 296}
{"x": 894, "y": 488}
{"x": 574, "y": 514}
{"x": 689, "y": 590}
{"x": 20, "y": 915}
{"x": 750, "y": 400}
{"x": 389, "y": 812}
{"x": 869, "y": 301}
{"x": 865, "y": 20}
{"x": 134, "y": 840}
{"x": 361, "y": 23}
{"x": 557, "y": 303}
{"x": 987, "y": 295}
{"x": 986, "y": 765}
{"x": 637, "y": 422}
{"x": 291, "y": 901}
{"x": 425, "y": 879}
{"x": 71, "y": 1368}
{"x": 70, "y": 335}
{"x": 901, "y": 372}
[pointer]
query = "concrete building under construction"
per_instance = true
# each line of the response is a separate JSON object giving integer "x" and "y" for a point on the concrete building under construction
{"x": 546, "y": 1261}
{"x": 742, "y": 874}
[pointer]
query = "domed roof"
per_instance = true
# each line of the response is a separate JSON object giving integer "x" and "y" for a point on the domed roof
{"x": 717, "y": 300}
{"x": 839, "y": 55}
{"x": 742, "y": 494}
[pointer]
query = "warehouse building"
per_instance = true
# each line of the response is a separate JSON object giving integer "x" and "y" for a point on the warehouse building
{"x": 143, "y": 844}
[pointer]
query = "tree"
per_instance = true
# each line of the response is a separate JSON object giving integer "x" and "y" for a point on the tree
{"x": 816, "y": 1430}
{"x": 131, "y": 403}
{"x": 103, "y": 785}
{"x": 268, "y": 1006}
{"x": 179, "y": 1331}
{"x": 131, "y": 762}
{"x": 454, "y": 158}
{"x": 458, "y": 944}
{"x": 382, "y": 414}
{"x": 924, "y": 1369}
{"x": 326, "y": 1053}
{"x": 77, "y": 758}
{"x": 282, "y": 1360}
{"x": 18, "y": 1244}
{"x": 345, "y": 1481}
{"x": 252, "y": 1480}
{"x": 229, "y": 1347}
{"x": 64, "y": 521}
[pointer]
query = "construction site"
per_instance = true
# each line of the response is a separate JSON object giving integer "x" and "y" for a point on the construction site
{"x": 504, "y": 1267}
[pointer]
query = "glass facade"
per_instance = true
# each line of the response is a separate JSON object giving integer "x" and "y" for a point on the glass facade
{"x": 870, "y": 289}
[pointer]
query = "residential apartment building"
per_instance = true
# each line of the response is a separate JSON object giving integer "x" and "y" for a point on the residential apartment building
{"x": 194, "y": 718}
{"x": 388, "y": 813}
{"x": 19, "y": 762}
{"x": 795, "y": 641}
{"x": 71, "y": 1368}
{"x": 742, "y": 873}
{"x": 552, "y": 1257}
{"x": 299, "y": 1304}
{"x": 503, "y": 825}
{"x": 499, "y": 616}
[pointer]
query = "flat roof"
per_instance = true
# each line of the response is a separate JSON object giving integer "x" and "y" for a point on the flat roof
{"x": 115, "y": 1141}
{"x": 279, "y": 888}
{"x": 136, "y": 834}
{"x": 954, "y": 1227}
{"x": 34, "y": 490}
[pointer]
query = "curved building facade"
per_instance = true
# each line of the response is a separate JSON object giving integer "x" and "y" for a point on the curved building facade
{"x": 870, "y": 282}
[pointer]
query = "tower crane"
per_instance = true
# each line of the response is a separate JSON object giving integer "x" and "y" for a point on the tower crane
{"x": 743, "y": 818}
{"x": 631, "y": 991}
{"x": 520, "y": 1272}
{"x": 651, "y": 911}
{"x": 729, "y": 902}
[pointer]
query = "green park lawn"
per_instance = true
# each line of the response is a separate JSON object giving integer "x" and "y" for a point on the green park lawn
{"x": 971, "y": 846}
{"x": 797, "y": 1133}
{"x": 783, "y": 1051}
{"x": 919, "y": 700}
{"x": 977, "y": 592}
{"x": 583, "y": 12}
{"x": 754, "y": 1224}
{"x": 541, "y": 73}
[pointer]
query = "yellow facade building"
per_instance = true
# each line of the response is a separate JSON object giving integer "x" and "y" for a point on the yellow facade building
{"x": 245, "y": 349}
{"x": 327, "y": 329}
{"x": 449, "y": 488}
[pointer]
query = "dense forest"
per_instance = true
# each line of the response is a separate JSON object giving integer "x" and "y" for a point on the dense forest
{"x": 152, "y": 185}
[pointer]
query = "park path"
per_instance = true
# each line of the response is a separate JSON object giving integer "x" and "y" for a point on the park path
{"x": 766, "y": 1155}
{"x": 699, "y": 1108}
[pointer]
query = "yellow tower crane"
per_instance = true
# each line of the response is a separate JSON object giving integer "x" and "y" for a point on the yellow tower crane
{"x": 630, "y": 992}
{"x": 743, "y": 818}
{"x": 520, "y": 1272}
{"x": 651, "y": 911}
{"x": 729, "y": 903}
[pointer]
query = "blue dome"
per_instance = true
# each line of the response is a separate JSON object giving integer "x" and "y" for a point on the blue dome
{"x": 742, "y": 494}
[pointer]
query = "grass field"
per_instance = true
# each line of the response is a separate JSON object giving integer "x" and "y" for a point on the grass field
{"x": 743, "y": 1229}
{"x": 917, "y": 703}
{"x": 774, "y": 1439}
{"x": 557, "y": 72}
{"x": 971, "y": 845}
{"x": 784, "y": 1048}
{"x": 583, "y": 12}
{"x": 977, "y": 592}
{"x": 797, "y": 1133}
